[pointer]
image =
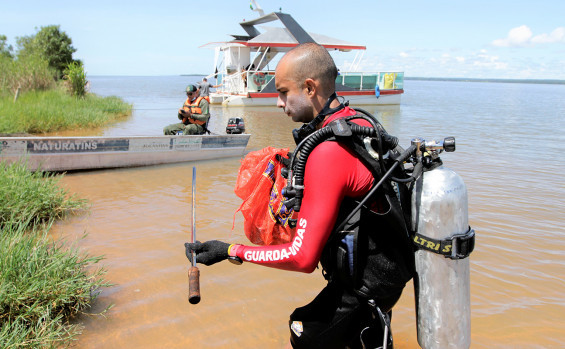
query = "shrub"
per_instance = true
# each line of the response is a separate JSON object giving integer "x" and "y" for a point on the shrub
{"x": 51, "y": 43}
{"x": 75, "y": 77}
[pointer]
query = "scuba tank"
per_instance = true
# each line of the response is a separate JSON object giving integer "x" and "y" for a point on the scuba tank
{"x": 444, "y": 240}
{"x": 429, "y": 210}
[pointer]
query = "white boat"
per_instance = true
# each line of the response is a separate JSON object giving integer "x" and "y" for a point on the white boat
{"x": 86, "y": 153}
{"x": 242, "y": 66}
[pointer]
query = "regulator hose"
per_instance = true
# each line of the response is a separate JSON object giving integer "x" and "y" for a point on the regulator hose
{"x": 295, "y": 187}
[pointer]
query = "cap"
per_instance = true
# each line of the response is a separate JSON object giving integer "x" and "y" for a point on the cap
{"x": 191, "y": 88}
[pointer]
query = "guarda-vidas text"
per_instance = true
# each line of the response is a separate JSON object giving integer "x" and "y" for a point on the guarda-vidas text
{"x": 41, "y": 146}
{"x": 284, "y": 253}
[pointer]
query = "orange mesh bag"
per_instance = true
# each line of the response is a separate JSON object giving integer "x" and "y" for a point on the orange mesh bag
{"x": 259, "y": 184}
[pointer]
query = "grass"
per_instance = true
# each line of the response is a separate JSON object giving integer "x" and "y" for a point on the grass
{"x": 54, "y": 110}
{"x": 32, "y": 196}
{"x": 26, "y": 74}
{"x": 43, "y": 283}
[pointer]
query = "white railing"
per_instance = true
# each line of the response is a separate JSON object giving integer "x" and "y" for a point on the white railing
{"x": 253, "y": 81}
{"x": 368, "y": 80}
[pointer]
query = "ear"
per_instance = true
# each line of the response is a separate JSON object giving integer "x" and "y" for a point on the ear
{"x": 311, "y": 87}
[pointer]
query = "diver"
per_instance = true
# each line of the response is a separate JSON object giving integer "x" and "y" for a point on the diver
{"x": 334, "y": 177}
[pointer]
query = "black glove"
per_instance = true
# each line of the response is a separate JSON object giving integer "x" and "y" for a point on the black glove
{"x": 209, "y": 252}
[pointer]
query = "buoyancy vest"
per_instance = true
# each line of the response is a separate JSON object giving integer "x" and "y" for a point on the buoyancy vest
{"x": 371, "y": 253}
{"x": 194, "y": 108}
{"x": 368, "y": 254}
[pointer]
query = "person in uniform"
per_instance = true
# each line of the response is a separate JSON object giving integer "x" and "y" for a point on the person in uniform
{"x": 194, "y": 115}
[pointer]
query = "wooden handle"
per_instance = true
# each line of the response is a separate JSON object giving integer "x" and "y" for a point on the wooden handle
{"x": 193, "y": 285}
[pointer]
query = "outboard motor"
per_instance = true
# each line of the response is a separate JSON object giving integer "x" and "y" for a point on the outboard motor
{"x": 235, "y": 125}
{"x": 444, "y": 240}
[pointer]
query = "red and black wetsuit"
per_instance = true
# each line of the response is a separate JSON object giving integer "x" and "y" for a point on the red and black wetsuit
{"x": 326, "y": 183}
{"x": 333, "y": 175}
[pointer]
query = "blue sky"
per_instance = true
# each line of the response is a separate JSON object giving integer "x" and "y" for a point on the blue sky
{"x": 452, "y": 38}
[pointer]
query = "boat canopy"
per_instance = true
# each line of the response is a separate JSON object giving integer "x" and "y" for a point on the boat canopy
{"x": 282, "y": 39}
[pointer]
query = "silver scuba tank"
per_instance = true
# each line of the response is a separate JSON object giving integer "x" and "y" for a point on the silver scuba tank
{"x": 442, "y": 284}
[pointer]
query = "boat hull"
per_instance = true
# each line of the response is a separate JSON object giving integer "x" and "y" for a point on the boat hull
{"x": 86, "y": 153}
{"x": 270, "y": 99}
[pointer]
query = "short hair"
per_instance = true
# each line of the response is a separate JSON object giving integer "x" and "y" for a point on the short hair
{"x": 204, "y": 79}
{"x": 313, "y": 61}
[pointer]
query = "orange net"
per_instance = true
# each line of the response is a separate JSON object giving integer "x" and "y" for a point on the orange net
{"x": 259, "y": 184}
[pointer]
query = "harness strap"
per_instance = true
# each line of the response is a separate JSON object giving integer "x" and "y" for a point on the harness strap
{"x": 458, "y": 246}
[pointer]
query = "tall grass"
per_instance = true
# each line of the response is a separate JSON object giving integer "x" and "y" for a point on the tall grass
{"x": 33, "y": 197}
{"x": 27, "y": 74}
{"x": 43, "y": 283}
{"x": 55, "y": 110}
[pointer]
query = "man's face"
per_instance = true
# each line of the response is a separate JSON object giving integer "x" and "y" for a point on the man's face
{"x": 293, "y": 98}
{"x": 192, "y": 95}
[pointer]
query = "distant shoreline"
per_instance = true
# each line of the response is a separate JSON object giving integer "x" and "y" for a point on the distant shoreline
{"x": 516, "y": 81}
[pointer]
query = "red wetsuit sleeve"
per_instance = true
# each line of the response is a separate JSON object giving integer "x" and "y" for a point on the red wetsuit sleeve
{"x": 332, "y": 172}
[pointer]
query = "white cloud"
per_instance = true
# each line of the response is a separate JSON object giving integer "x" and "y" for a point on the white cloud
{"x": 522, "y": 36}
{"x": 558, "y": 35}
{"x": 479, "y": 63}
{"x": 519, "y": 36}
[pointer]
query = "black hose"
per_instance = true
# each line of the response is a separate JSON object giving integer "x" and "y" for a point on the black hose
{"x": 307, "y": 145}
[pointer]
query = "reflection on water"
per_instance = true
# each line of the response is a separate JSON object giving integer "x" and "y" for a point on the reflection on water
{"x": 507, "y": 138}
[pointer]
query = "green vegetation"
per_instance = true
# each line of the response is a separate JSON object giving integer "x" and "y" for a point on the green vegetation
{"x": 34, "y": 100}
{"x": 55, "y": 110}
{"x": 5, "y": 49}
{"x": 54, "y": 45}
{"x": 43, "y": 283}
{"x": 32, "y": 197}
{"x": 29, "y": 73}
{"x": 76, "y": 79}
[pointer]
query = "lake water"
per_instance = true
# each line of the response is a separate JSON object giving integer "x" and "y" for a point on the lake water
{"x": 508, "y": 140}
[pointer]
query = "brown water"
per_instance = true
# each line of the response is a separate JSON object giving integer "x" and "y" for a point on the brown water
{"x": 507, "y": 153}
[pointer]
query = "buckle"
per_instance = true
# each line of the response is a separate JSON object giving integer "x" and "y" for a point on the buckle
{"x": 462, "y": 244}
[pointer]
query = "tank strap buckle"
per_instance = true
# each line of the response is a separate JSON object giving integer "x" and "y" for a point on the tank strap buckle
{"x": 457, "y": 246}
{"x": 462, "y": 244}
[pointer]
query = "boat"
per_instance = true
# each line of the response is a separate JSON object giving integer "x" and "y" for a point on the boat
{"x": 87, "y": 153}
{"x": 242, "y": 65}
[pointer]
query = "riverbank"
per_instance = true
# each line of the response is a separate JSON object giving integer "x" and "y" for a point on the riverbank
{"x": 43, "y": 283}
{"x": 55, "y": 110}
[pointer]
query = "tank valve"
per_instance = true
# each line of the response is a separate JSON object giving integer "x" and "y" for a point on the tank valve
{"x": 448, "y": 144}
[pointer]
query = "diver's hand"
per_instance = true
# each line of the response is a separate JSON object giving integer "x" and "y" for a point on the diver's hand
{"x": 209, "y": 252}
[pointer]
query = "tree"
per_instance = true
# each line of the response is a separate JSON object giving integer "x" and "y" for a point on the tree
{"x": 5, "y": 49}
{"x": 50, "y": 43}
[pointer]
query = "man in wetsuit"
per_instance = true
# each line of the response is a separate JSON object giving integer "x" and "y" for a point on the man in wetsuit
{"x": 305, "y": 81}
